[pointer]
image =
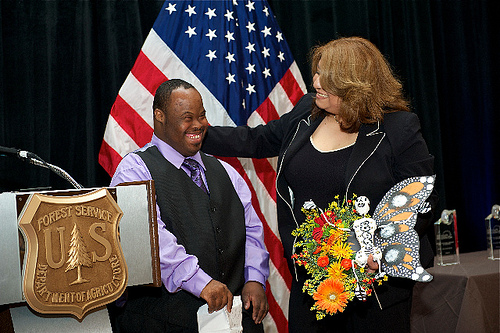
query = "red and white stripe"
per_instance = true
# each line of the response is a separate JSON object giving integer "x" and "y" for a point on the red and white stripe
{"x": 130, "y": 126}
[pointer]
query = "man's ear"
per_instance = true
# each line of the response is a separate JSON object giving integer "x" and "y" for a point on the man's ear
{"x": 159, "y": 115}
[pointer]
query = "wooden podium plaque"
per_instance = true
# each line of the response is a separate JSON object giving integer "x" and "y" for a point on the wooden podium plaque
{"x": 80, "y": 249}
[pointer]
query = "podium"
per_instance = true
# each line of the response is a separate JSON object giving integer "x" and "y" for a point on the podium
{"x": 138, "y": 239}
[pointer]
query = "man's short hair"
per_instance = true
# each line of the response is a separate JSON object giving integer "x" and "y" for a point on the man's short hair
{"x": 162, "y": 95}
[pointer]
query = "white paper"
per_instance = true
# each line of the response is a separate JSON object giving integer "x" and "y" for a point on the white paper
{"x": 221, "y": 321}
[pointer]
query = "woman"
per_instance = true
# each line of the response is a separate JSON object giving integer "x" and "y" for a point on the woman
{"x": 354, "y": 135}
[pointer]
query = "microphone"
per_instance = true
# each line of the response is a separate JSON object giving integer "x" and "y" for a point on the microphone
{"x": 22, "y": 154}
{"x": 35, "y": 160}
{"x": 8, "y": 151}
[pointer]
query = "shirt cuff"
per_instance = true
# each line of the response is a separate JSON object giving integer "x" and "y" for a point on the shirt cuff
{"x": 254, "y": 275}
{"x": 197, "y": 282}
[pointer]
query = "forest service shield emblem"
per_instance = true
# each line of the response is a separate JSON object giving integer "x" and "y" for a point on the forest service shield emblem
{"x": 74, "y": 261}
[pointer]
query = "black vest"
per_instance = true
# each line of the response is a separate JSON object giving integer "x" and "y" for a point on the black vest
{"x": 211, "y": 227}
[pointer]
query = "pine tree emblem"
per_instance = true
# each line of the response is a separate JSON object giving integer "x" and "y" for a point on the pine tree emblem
{"x": 78, "y": 255}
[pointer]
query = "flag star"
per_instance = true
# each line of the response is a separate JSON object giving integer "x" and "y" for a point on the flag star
{"x": 230, "y": 78}
{"x": 250, "y": 88}
{"x": 250, "y": 26}
{"x": 281, "y": 56}
{"x": 229, "y": 36}
{"x": 190, "y": 10}
{"x": 171, "y": 8}
{"x": 211, "y": 34}
{"x": 250, "y": 6}
{"x": 266, "y": 31}
{"x": 235, "y": 2}
{"x": 210, "y": 13}
{"x": 229, "y": 15}
{"x": 250, "y": 47}
{"x": 211, "y": 54}
{"x": 250, "y": 68}
{"x": 265, "y": 52}
{"x": 266, "y": 11}
{"x": 190, "y": 31}
{"x": 266, "y": 72}
{"x": 230, "y": 57}
{"x": 279, "y": 36}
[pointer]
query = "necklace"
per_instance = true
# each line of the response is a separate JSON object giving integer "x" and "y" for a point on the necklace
{"x": 328, "y": 117}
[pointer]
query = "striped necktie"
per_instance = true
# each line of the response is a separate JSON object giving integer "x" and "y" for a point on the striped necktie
{"x": 195, "y": 168}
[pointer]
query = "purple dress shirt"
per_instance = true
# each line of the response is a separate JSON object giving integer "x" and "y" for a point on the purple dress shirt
{"x": 180, "y": 270}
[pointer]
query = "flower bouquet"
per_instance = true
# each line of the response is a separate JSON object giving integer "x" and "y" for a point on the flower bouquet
{"x": 328, "y": 253}
{"x": 336, "y": 244}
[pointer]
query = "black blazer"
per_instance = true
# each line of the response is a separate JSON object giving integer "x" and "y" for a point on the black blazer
{"x": 384, "y": 154}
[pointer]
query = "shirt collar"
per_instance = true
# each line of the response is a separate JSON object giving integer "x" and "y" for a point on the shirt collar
{"x": 172, "y": 155}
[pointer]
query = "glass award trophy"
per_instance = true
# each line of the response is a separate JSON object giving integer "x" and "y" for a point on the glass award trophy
{"x": 447, "y": 238}
{"x": 493, "y": 233}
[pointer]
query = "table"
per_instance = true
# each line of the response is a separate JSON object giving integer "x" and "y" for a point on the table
{"x": 461, "y": 298}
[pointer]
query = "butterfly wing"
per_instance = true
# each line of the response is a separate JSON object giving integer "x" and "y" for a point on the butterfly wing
{"x": 396, "y": 216}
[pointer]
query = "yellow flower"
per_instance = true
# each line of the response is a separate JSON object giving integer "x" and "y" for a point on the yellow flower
{"x": 331, "y": 296}
{"x": 336, "y": 271}
{"x": 341, "y": 250}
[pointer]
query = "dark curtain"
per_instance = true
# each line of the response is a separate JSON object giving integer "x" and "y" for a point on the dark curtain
{"x": 61, "y": 66}
{"x": 63, "y": 62}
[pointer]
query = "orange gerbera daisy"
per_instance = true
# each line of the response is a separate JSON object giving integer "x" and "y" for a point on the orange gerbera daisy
{"x": 331, "y": 296}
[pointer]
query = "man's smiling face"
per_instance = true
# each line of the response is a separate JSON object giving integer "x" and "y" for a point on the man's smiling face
{"x": 184, "y": 123}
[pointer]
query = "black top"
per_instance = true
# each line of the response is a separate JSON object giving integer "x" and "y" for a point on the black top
{"x": 315, "y": 175}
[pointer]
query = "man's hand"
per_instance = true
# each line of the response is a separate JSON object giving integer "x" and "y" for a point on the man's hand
{"x": 217, "y": 296}
{"x": 253, "y": 294}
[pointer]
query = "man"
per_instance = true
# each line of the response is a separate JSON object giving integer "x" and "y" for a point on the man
{"x": 210, "y": 239}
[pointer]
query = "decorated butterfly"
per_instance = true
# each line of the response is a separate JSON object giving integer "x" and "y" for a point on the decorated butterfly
{"x": 390, "y": 235}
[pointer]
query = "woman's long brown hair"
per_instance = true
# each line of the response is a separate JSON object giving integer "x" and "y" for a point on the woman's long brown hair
{"x": 355, "y": 70}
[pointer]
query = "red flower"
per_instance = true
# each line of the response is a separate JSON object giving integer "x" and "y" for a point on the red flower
{"x": 317, "y": 234}
{"x": 320, "y": 220}
{"x": 346, "y": 264}
{"x": 323, "y": 261}
{"x": 318, "y": 249}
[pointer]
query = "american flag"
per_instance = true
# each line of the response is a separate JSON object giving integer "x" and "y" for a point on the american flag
{"x": 234, "y": 53}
